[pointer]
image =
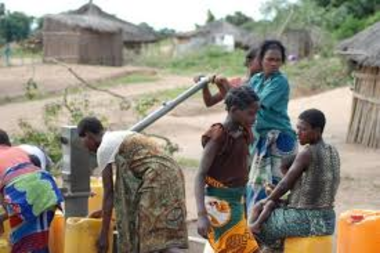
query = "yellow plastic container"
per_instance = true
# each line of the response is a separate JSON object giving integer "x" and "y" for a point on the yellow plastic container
{"x": 317, "y": 244}
{"x": 95, "y": 201}
{"x": 57, "y": 233}
{"x": 5, "y": 247}
{"x": 81, "y": 235}
{"x": 7, "y": 230}
{"x": 96, "y": 198}
{"x": 359, "y": 232}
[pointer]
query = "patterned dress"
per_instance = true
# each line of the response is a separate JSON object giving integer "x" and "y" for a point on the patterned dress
{"x": 225, "y": 189}
{"x": 30, "y": 197}
{"x": 149, "y": 198}
{"x": 275, "y": 138}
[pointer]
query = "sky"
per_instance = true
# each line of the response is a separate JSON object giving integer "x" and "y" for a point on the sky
{"x": 181, "y": 15}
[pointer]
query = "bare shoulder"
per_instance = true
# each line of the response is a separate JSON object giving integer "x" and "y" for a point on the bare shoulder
{"x": 304, "y": 156}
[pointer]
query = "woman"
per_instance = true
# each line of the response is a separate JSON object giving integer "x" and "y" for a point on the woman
{"x": 275, "y": 138}
{"x": 313, "y": 180}
{"x": 149, "y": 195}
{"x": 29, "y": 196}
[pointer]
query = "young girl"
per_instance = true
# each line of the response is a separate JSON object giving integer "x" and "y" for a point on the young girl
{"x": 223, "y": 174}
{"x": 313, "y": 180}
{"x": 253, "y": 67}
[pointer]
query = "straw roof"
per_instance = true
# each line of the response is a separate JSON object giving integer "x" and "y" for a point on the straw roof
{"x": 364, "y": 47}
{"x": 92, "y": 17}
{"x": 241, "y": 36}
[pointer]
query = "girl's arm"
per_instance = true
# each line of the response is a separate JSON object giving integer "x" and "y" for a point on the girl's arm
{"x": 208, "y": 156}
{"x": 107, "y": 208}
{"x": 223, "y": 86}
{"x": 301, "y": 162}
{"x": 210, "y": 99}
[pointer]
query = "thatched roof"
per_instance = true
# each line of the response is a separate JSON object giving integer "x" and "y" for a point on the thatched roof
{"x": 364, "y": 47}
{"x": 241, "y": 36}
{"x": 92, "y": 17}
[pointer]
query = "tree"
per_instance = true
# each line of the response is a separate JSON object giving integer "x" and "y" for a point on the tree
{"x": 15, "y": 26}
{"x": 358, "y": 8}
{"x": 146, "y": 26}
{"x": 2, "y": 9}
{"x": 238, "y": 18}
{"x": 165, "y": 32}
{"x": 210, "y": 17}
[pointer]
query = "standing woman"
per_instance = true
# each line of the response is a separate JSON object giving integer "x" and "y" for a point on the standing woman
{"x": 276, "y": 140}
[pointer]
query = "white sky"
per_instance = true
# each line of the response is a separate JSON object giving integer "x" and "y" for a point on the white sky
{"x": 180, "y": 15}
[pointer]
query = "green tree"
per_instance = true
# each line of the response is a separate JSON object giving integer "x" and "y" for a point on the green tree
{"x": 238, "y": 18}
{"x": 358, "y": 8}
{"x": 210, "y": 17}
{"x": 146, "y": 26}
{"x": 15, "y": 26}
{"x": 2, "y": 9}
{"x": 165, "y": 32}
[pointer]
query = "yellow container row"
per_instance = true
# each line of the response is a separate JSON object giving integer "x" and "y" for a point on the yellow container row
{"x": 358, "y": 232}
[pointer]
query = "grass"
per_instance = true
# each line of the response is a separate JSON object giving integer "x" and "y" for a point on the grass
{"x": 208, "y": 60}
{"x": 317, "y": 74}
{"x": 20, "y": 53}
{"x": 130, "y": 79}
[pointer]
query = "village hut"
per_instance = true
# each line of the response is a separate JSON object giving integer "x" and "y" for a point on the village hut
{"x": 298, "y": 42}
{"x": 134, "y": 37}
{"x": 91, "y": 36}
{"x": 363, "y": 53}
{"x": 220, "y": 33}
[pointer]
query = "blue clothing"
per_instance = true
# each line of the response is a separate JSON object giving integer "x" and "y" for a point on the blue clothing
{"x": 266, "y": 164}
{"x": 275, "y": 138}
{"x": 274, "y": 98}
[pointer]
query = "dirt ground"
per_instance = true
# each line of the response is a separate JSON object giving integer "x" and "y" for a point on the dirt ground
{"x": 360, "y": 169}
{"x": 53, "y": 78}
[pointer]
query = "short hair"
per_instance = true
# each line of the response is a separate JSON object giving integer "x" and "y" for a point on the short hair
{"x": 91, "y": 125}
{"x": 270, "y": 45}
{"x": 251, "y": 55}
{"x": 4, "y": 138}
{"x": 241, "y": 97}
{"x": 35, "y": 160}
{"x": 315, "y": 118}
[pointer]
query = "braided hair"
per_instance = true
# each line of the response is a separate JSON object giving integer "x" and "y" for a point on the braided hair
{"x": 241, "y": 97}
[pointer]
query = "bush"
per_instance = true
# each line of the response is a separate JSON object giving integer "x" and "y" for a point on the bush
{"x": 349, "y": 27}
{"x": 317, "y": 74}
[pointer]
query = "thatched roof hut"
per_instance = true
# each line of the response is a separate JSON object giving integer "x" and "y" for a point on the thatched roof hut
{"x": 363, "y": 52}
{"x": 298, "y": 42}
{"x": 90, "y": 36}
{"x": 131, "y": 32}
{"x": 243, "y": 38}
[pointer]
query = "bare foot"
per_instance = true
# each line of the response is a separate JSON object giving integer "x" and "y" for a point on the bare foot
{"x": 255, "y": 228}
